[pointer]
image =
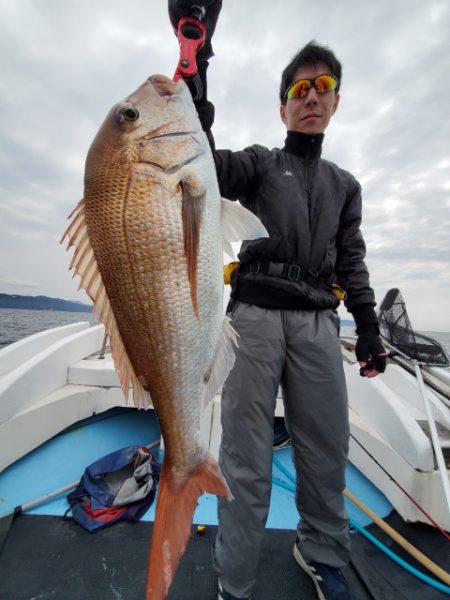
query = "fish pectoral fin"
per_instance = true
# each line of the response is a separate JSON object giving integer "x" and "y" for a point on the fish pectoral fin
{"x": 238, "y": 224}
{"x": 228, "y": 249}
{"x": 222, "y": 363}
{"x": 173, "y": 520}
{"x": 192, "y": 207}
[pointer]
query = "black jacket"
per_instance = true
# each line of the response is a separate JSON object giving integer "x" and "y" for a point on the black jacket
{"x": 312, "y": 211}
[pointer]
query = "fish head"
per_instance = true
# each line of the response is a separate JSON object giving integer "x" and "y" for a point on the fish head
{"x": 159, "y": 107}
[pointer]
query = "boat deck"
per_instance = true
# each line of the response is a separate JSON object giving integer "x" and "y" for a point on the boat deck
{"x": 63, "y": 459}
{"x": 44, "y": 555}
{"x": 53, "y": 558}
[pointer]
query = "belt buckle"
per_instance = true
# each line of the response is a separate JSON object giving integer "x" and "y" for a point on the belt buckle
{"x": 293, "y": 273}
{"x": 275, "y": 269}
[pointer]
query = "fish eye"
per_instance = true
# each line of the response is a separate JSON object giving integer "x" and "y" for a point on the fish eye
{"x": 128, "y": 113}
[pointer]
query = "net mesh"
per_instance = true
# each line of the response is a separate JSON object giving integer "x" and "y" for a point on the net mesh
{"x": 395, "y": 327}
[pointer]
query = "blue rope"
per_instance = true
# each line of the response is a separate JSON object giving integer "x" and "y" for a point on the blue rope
{"x": 283, "y": 469}
{"x": 436, "y": 584}
{"x": 283, "y": 484}
{"x": 428, "y": 580}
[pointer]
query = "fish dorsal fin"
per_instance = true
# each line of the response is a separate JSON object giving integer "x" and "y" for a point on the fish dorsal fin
{"x": 85, "y": 265}
{"x": 222, "y": 363}
{"x": 238, "y": 224}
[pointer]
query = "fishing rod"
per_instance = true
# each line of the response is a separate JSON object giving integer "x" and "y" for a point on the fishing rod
{"x": 413, "y": 500}
{"x": 431, "y": 380}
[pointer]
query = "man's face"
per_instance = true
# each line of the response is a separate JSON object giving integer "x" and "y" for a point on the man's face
{"x": 312, "y": 113}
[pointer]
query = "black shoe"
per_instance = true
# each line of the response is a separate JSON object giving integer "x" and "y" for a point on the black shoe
{"x": 329, "y": 581}
{"x": 223, "y": 595}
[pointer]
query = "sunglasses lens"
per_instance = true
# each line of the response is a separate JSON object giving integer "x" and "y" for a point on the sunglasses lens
{"x": 299, "y": 89}
{"x": 325, "y": 83}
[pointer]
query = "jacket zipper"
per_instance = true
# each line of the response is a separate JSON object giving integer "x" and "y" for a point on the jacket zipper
{"x": 308, "y": 181}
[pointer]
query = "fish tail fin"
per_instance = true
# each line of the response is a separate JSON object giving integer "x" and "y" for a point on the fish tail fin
{"x": 173, "y": 520}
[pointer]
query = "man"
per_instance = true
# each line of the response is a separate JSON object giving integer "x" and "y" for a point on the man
{"x": 284, "y": 302}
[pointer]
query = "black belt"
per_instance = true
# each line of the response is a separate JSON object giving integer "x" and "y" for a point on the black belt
{"x": 286, "y": 271}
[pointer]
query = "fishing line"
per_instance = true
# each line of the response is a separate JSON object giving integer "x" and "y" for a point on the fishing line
{"x": 422, "y": 510}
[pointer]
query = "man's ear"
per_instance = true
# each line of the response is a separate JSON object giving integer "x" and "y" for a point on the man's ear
{"x": 336, "y": 103}
{"x": 283, "y": 113}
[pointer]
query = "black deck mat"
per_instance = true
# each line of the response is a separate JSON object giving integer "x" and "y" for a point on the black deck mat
{"x": 384, "y": 578}
{"x": 50, "y": 558}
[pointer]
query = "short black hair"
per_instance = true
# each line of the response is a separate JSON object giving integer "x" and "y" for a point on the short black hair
{"x": 312, "y": 54}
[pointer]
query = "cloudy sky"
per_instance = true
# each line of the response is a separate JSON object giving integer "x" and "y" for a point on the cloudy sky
{"x": 65, "y": 62}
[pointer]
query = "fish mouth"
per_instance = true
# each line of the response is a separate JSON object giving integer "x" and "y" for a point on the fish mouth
{"x": 163, "y": 85}
{"x": 160, "y": 79}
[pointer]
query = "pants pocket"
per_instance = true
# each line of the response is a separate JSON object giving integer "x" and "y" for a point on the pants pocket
{"x": 335, "y": 320}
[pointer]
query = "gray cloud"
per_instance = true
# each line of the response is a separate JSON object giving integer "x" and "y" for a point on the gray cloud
{"x": 65, "y": 63}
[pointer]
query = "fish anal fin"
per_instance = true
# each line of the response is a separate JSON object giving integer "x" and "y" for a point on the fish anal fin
{"x": 173, "y": 520}
{"x": 222, "y": 363}
{"x": 238, "y": 224}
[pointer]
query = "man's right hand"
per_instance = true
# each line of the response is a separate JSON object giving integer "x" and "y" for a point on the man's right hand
{"x": 188, "y": 8}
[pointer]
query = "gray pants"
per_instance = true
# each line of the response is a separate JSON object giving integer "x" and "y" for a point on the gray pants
{"x": 299, "y": 350}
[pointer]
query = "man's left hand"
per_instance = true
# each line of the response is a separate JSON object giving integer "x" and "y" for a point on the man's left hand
{"x": 370, "y": 352}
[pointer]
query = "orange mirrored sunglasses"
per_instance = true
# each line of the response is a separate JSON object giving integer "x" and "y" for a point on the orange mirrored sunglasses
{"x": 300, "y": 88}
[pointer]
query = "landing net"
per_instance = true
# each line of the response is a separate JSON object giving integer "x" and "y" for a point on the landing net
{"x": 395, "y": 327}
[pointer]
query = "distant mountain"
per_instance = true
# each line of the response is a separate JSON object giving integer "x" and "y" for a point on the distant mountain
{"x": 42, "y": 303}
{"x": 46, "y": 303}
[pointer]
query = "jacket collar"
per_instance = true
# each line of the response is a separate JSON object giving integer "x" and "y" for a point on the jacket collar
{"x": 304, "y": 145}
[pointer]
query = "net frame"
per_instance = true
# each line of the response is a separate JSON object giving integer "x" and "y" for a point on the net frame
{"x": 395, "y": 328}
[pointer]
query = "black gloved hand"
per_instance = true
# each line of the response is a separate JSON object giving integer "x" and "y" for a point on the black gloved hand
{"x": 369, "y": 349}
{"x": 210, "y": 10}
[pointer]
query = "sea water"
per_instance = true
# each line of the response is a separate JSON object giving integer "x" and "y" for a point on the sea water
{"x": 16, "y": 324}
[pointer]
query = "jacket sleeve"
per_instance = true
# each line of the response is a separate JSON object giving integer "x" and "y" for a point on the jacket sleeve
{"x": 351, "y": 269}
{"x": 237, "y": 172}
